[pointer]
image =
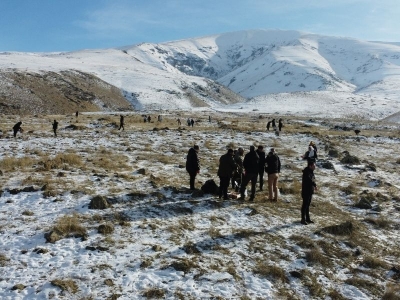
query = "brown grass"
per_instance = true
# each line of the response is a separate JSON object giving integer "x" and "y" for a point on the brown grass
{"x": 69, "y": 225}
{"x": 14, "y": 163}
{"x": 66, "y": 285}
{"x": 270, "y": 271}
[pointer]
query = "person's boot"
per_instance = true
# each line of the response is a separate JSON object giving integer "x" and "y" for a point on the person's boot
{"x": 303, "y": 222}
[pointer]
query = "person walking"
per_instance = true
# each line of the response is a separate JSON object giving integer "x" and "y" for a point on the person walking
{"x": 273, "y": 124}
{"x": 16, "y": 128}
{"x": 238, "y": 174}
{"x": 225, "y": 170}
{"x": 193, "y": 164}
{"x": 192, "y": 122}
{"x": 308, "y": 186}
{"x": 273, "y": 169}
{"x": 250, "y": 164}
{"x": 179, "y": 122}
{"x": 261, "y": 165}
{"x": 55, "y": 126}
{"x": 121, "y": 122}
{"x": 280, "y": 124}
{"x": 311, "y": 154}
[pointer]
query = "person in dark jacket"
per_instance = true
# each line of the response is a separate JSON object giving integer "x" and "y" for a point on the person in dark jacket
{"x": 280, "y": 124}
{"x": 268, "y": 125}
{"x": 250, "y": 165}
{"x": 225, "y": 171}
{"x": 121, "y": 122}
{"x": 308, "y": 186}
{"x": 273, "y": 169}
{"x": 16, "y": 128}
{"x": 273, "y": 124}
{"x": 238, "y": 174}
{"x": 55, "y": 126}
{"x": 261, "y": 165}
{"x": 193, "y": 164}
{"x": 192, "y": 122}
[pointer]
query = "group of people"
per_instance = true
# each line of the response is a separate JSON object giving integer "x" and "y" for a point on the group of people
{"x": 272, "y": 124}
{"x": 239, "y": 170}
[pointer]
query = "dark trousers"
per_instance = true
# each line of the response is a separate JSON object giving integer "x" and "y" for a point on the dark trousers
{"x": 192, "y": 178}
{"x": 15, "y": 133}
{"x": 305, "y": 208}
{"x": 246, "y": 179}
{"x": 55, "y": 132}
{"x": 261, "y": 176}
{"x": 223, "y": 186}
{"x": 238, "y": 178}
{"x": 121, "y": 126}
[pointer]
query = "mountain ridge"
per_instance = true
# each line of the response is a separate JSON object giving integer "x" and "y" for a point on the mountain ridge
{"x": 253, "y": 64}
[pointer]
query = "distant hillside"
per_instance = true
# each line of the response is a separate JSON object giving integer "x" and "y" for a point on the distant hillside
{"x": 222, "y": 70}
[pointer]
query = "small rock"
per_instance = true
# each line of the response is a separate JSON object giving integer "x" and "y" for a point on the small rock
{"x": 99, "y": 202}
{"x": 18, "y": 287}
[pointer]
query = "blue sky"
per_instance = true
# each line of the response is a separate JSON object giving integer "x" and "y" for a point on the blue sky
{"x": 67, "y": 25}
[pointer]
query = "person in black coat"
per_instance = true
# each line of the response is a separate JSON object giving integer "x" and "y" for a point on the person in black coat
{"x": 250, "y": 165}
{"x": 16, "y": 128}
{"x": 273, "y": 169}
{"x": 193, "y": 164}
{"x": 55, "y": 126}
{"x": 308, "y": 186}
{"x": 261, "y": 165}
{"x": 121, "y": 122}
{"x": 226, "y": 168}
{"x": 268, "y": 125}
{"x": 280, "y": 124}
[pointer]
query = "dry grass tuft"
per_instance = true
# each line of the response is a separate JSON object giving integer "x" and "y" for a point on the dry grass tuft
{"x": 3, "y": 260}
{"x": 154, "y": 293}
{"x": 66, "y": 285}
{"x": 13, "y": 163}
{"x": 270, "y": 271}
{"x": 380, "y": 222}
{"x": 374, "y": 263}
{"x": 345, "y": 228}
{"x": 61, "y": 161}
{"x": 66, "y": 226}
{"x": 315, "y": 256}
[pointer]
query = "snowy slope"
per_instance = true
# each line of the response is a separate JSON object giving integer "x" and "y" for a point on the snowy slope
{"x": 253, "y": 63}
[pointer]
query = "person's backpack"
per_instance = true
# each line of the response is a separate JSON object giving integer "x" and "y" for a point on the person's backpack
{"x": 210, "y": 187}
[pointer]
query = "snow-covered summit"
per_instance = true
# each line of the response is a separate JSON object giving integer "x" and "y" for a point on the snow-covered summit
{"x": 254, "y": 63}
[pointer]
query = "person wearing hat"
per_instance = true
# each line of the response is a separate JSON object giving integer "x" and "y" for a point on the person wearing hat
{"x": 273, "y": 168}
{"x": 193, "y": 164}
{"x": 250, "y": 164}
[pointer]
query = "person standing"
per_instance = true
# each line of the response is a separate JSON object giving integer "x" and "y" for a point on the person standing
{"x": 121, "y": 122}
{"x": 55, "y": 126}
{"x": 250, "y": 164}
{"x": 273, "y": 124}
{"x": 261, "y": 165}
{"x": 273, "y": 169}
{"x": 225, "y": 170}
{"x": 268, "y": 125}
{"x": 280, "y": 124}
{"x": 308, "y": 186}
{"x": 192, "y": 122}
{"x": 238, "y": 174}
{"x": 16, "y": 128}
{"x": 179, "y": 122}
{"x": 193, "y": 164}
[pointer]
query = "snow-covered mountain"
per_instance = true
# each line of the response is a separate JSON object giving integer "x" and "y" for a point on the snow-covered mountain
{"x": 256, "y": 64}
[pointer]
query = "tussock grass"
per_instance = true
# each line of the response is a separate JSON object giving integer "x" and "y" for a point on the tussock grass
{"x": 380, "y": 222}
{"x": 392, "y": 292}
{"x": 154, "y": 293}
{"x": 274, "y": 272}
{"x": 66, "y": 285}
{"x": 61, "y": 161}
{"x": 315, "y": 256}
{"x": 365, "y": 284}
{"x": 303, "y": 241}
{"x": 3, "y": 260}
{"x": 374, "y": 263}
{"x": 66, "y": 226}
{"x": 345, "y": 228}
{"x": 14, "y": 163}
